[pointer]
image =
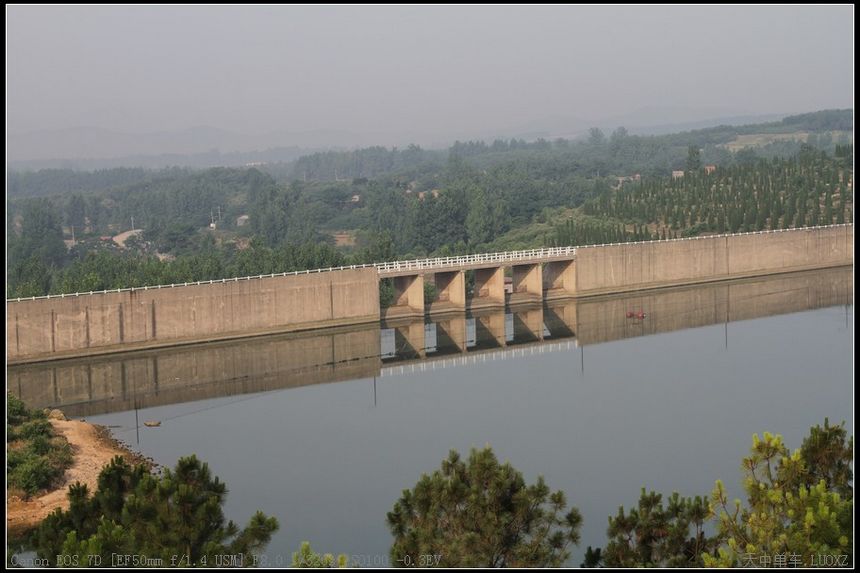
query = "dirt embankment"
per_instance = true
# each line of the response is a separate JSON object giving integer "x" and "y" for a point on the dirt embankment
{"x": 123, "y": 237}
{"x": 93, "y": 448}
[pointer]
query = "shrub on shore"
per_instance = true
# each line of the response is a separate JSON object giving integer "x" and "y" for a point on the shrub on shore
{"x": 36, "y": 458}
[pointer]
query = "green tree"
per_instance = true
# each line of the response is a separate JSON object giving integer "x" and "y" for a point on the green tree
{"x": 782, "y": 517}
{"x": 652, "y": 535}
{"x": 76, "y": 213}
{"x": 828, "y": 208}
{"x": 379, "y": 249}
{"x": 694, "y": 159}
{"x": 596, "y": 136}
{"x": 593, "y": 558}
{"x": 479, "y": 221}
{"x": 482, "y": 513}
{"x": 29, "y": 277}
{"x": 617, "y": 141}
{"x": 307, "y": 558}
{"x": 827, "y": 454}
{"x": 430, "y": 292}
{"x": 386, "y": 293}
{"x": 135, "y": 512}
{"x": 41, "y": 235}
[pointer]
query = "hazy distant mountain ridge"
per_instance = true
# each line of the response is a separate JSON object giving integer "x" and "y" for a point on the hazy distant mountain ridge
{"x": 88, "y": 148}
{"x": 94, "y": 143}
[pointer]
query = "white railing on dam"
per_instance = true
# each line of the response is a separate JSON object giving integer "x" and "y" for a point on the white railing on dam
{"x": 440, "y": 263}
{"x": 432, "y": 363}
{"x": 467, "y": 260}
{"x": 428, "y": 264}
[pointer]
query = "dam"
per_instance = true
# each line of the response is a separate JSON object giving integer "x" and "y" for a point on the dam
{"x": 86, "y": 324}
{"x": 155, "y": 377}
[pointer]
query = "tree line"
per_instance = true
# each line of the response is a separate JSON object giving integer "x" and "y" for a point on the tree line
{"x": 809, "y": 189}
{"x": 471, "y": 209}
{"x": 106, "y": 270}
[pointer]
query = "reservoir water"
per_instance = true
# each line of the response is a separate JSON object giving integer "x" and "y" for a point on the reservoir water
{"x": 602, "y": 397}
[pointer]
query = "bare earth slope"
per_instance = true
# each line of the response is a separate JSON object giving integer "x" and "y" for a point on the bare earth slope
{"x": 93, "y": 449}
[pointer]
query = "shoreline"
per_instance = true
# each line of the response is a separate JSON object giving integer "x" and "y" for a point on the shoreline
{"x": 93, "y": 447}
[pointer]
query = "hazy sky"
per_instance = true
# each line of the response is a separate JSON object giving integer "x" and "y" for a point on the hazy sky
{"x": 425, "y": 69}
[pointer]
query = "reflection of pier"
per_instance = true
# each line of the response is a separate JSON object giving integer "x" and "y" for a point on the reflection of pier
{"x": 476, "y": 358}
{"x": 119, "y": 382}
{"x": 490, "y": 332}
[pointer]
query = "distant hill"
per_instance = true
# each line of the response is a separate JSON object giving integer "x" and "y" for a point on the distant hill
{"x": 704, "y": 124}
{"x": 93, "y": 147}
{"x": 212, "y": 158}
{"x": 90, "y": 148}
{"x": 645, "y": 121}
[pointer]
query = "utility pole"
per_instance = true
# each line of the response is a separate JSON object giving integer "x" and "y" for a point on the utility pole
{"x": 132, "y": 222}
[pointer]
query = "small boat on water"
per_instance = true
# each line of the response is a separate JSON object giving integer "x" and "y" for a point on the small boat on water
{"x": 152, "y": 423}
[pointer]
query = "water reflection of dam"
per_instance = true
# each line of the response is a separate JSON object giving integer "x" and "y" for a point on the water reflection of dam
{"x": 86, "y": 387}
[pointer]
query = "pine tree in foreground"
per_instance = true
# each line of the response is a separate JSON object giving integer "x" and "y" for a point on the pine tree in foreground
{"x": 481, "y": 513}
{"x": 172, "y": 517}
{"x": 801, "y": 525}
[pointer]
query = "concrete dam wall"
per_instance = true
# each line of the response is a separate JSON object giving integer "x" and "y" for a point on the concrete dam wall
{"x": 143, "y": 379}
{"x": 607, "y": 269}
{"x": 70, "y": 326}
{"x": 60, "y": 327}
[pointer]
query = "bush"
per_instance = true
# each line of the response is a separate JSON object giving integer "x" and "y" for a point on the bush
{"x": 34, "y": 474}
{"x": 34, "y": 429}
{"x": 60, "y": 455}
{"x": 35, "y": 456}
{"x": 695, "y": 230}
{"x": 39, "y": 446}
{"x": 16, "y": 411}
{"x": 386, "y": 293}
{"x": 429, "y": 292}
{"x": 15, "y": 458}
